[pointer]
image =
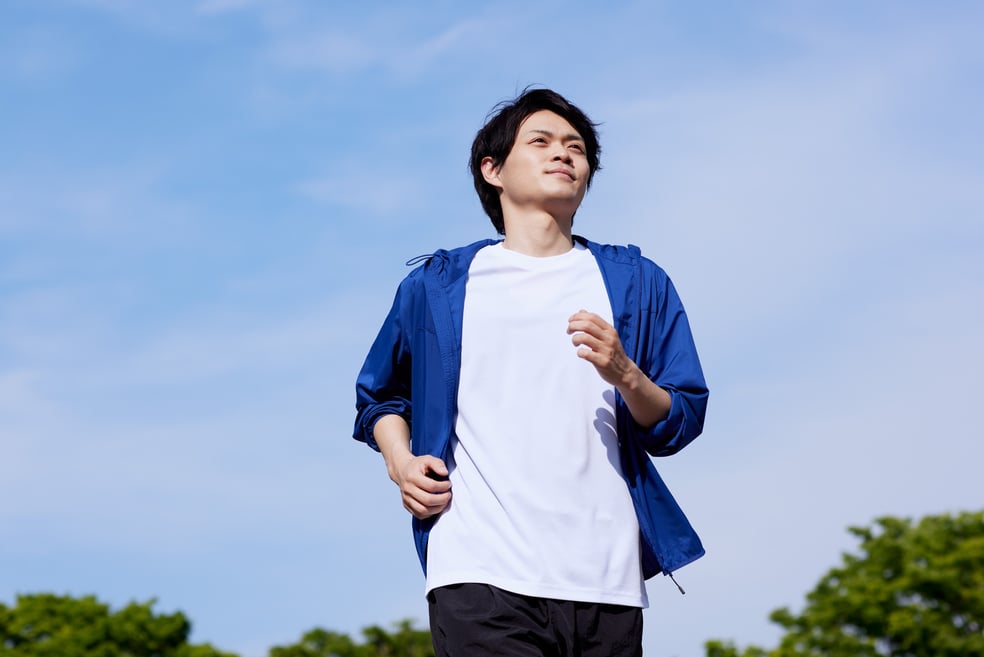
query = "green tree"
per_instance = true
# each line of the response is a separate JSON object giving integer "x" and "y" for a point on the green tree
{"x": 45, "y": 625}
{"x": 404, "y": 641}
{"x": 318, "y": 643}
{"x": 913, "y": 590}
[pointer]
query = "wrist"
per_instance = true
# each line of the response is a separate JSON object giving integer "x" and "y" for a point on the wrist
{"x": 395, "y": 464}
{"x": 632, "y": 381}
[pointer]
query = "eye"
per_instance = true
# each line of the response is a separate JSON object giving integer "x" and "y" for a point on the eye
{"x": 538, "y": 140}
{"x": 577, "y": 147}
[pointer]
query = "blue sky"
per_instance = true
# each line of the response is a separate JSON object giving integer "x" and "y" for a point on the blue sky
{"x": 205, "y": 208}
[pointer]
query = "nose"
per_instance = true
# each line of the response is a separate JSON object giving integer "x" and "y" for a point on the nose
{"x": 560, "y": 153}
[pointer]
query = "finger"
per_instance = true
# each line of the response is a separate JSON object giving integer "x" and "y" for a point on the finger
{"x": 436, "y": 472}
{"x": 425, "y": 505}
{"x": 593, "y": 343}
{"x": 418, "y": 510}
{"x": 598, "y": 360}
{"x": 589, "y": 326}
{"x": 422, "y": 513}
{"x": 429, "y": 473}
{"x": 427, "y": 500}
{"x": 594, "y": 318}
{"x": 585, "y": 313}
{"x": 435, "y": 465}
{"x": 429, "y": 485}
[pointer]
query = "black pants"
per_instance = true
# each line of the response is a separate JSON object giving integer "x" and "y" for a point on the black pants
{"x": 478, "y": 620}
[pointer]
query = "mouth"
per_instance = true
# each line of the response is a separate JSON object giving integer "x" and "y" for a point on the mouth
{"x": 564, "y": 172}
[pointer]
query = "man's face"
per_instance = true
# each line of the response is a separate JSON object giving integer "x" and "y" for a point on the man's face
{"x": 546, "y": 169}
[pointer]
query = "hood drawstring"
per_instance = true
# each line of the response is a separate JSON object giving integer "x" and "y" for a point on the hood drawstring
{"x": 419, "y": 259}
{"x": 682, "y": 592}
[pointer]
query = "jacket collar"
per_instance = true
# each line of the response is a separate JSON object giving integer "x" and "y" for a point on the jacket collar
{"x": 449, "y": 265}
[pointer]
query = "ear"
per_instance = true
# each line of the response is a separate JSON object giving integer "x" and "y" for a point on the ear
{"x": 491, "y": 172}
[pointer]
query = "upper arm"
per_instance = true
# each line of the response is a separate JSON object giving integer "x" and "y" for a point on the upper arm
{"x": 383, "y": 384}
{"x": 669, "y": 356}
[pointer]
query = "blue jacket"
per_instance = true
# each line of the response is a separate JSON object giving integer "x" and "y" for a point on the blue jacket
{"x": 412, "y": 370}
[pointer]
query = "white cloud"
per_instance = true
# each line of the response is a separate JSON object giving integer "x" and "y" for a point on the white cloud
{"x": 386, "y": 41}
{"x": 101, "y": 202}
{"x": 226, "y": 6}
{"x": 40, "y": 53}
{"x": 460, "y": 39}
{"x": 169, "y": 19}
{"x": 366, "y": 187}
{"x": 330, "y": 51}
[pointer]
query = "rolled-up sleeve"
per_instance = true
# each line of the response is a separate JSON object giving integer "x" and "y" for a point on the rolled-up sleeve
{"x": 383, "y": 385}
{"x": 668, "y": 355}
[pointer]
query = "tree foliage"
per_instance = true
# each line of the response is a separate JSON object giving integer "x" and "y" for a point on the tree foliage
{"x": 913, "y": 590}
{"x": 46, "y": 625}
{"x": 405, "y": 641}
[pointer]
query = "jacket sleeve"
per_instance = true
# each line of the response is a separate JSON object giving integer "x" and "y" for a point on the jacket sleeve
{"x": 383, "y": 385}
{"x": 668, "y": 355}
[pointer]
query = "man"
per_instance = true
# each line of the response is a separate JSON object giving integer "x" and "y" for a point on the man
{"x": 515, "y": 390}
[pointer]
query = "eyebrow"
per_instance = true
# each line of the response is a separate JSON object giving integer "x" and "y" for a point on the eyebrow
{"x": 571, "y": 136}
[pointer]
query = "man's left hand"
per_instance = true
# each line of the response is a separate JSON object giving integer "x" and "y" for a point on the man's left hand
{"x": 598, "y": 343}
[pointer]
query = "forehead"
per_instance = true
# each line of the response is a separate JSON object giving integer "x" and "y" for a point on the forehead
{"x": 547, "y": 121}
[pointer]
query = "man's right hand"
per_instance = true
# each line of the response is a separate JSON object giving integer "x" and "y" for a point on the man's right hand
{"x": 424, "y": 485}
{"x": 423, "y": 480}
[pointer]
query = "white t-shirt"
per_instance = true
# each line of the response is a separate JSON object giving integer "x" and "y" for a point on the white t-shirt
{"x": 538, "y": 505}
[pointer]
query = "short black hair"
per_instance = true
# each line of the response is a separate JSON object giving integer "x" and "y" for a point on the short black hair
{"x": 497, "y": 136}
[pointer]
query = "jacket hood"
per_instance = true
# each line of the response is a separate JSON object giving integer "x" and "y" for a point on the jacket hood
{"x": 449, "y": 265}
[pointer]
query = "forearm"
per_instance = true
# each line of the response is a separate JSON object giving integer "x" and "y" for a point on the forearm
{"x": 392, "y": 435}
{"x": 647, "y": 402}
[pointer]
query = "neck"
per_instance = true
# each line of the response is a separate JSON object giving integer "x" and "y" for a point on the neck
{"x": 537, "y": 234}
